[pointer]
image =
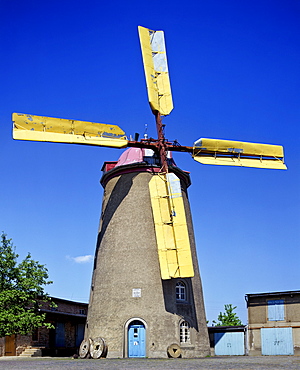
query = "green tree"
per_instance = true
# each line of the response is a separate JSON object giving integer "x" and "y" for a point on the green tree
{"x": 229, "y": 318}
{"x": 21, "y": 291}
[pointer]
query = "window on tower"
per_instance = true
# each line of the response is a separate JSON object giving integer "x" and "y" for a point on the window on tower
{"x": 180, "y": 291}
{"x": 185, "y": 332}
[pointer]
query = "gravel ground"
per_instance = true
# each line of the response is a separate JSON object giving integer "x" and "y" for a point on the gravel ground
{"x": 215, "y": 363}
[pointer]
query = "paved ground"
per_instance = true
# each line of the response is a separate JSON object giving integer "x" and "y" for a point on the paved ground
{"x": 212, "y": 363}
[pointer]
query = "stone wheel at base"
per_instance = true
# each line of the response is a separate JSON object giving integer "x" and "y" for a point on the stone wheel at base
{"x": 84, "y": 348}
{"x": 174, "y": 350}
{"x": 98, "y": 348}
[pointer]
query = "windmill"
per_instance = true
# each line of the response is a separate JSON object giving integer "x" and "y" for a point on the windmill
{"x": 146, "y": 294}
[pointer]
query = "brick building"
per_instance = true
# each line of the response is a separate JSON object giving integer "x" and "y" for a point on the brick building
{"x": 69, "y": 320}
{"x": 274, "y": 323}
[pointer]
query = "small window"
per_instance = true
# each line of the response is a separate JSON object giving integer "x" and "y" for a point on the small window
{"x": 185, "y": 332}
{"x": 276, "y": 310}
{"x": 82, "y": 311}
{"x": 180, "y": 291}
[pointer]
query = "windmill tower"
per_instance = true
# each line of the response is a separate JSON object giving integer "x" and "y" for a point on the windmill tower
{"x": 146, "y": 295}
{"x": 135, "y": 305}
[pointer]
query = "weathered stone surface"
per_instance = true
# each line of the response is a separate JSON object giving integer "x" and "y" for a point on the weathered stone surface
{"x": 126, "y": 258}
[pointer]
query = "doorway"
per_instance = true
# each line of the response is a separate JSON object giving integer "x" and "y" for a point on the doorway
{"x": 60, "y": 334}
{"x": 10, "y": 345}
{"x": 277, "y": 341}
{"x": 136, "y": 339}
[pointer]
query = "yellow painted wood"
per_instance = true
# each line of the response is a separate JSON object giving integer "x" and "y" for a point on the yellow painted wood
{"x": 37, "y": 128}
{"x": 171, "y": 229}
{"x": 231, "y": 146}
{"x": 180, "y": 229}
{"x": 237, "y": 153}
{"x": 157, "y": 79}
{"x": 243, "y": 162}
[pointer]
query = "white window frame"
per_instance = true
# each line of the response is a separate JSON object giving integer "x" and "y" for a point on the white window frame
{"x": 185, "y": 332}
{"x": 181, "y": 291}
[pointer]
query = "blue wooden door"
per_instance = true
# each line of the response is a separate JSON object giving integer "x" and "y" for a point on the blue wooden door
{"x": 136, "y": 340}
{"x": 59, "y": 334}
{"x": 277, "y": 341}
{"x": 79, "y": 334}
{"x": 229, "y": 344}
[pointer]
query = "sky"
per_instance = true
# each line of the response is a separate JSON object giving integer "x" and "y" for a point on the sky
{"x": 234, "y": 71}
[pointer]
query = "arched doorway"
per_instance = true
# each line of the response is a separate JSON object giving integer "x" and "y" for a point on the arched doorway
{"x": 136, "y": 339}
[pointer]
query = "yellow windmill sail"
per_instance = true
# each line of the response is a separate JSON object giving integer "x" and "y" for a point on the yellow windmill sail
{"x": 171, "y": 230}
{"x": 58, "y": 130}
{"x": 156, "y": 70}
{"x": 237, "y": 153}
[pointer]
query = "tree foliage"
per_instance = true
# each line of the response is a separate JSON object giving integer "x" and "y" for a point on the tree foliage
{"x": 21, "y": 291}
{"x": 229, "y": 318}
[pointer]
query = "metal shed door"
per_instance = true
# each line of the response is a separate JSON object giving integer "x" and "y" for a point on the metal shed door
{"x": 136, "y": 341}
{"x": 229, "y": 344}
{"x": 277, "y": 341}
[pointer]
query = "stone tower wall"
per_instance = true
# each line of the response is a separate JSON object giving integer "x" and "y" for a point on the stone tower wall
{"x": 126, "y": 259}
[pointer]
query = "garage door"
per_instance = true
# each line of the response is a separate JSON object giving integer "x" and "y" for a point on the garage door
{"x": 229, "y": 344}
{"x": 277, "y": 341}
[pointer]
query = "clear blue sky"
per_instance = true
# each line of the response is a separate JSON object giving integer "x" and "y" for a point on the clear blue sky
{"x": 234, "y": 70}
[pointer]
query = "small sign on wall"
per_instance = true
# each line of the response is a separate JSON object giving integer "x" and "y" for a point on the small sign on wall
{"x": 136, "y": 292}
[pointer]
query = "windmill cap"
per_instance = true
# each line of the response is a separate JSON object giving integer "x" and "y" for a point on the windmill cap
{"x": 139, "y": 155}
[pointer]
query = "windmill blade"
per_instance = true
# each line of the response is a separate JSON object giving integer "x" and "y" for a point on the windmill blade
{"x": 171, "y": 230}
{"x": 237, "y": 153}
{"x": 156, "y": 70}
{"x": 58, "y": 130}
